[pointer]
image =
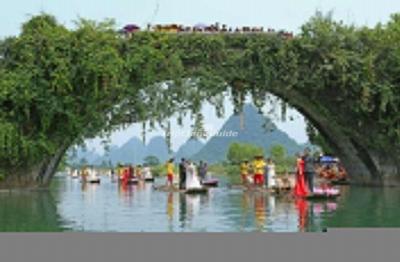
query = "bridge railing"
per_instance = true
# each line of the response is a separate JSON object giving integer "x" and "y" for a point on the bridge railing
{"x": 128, "y": 30}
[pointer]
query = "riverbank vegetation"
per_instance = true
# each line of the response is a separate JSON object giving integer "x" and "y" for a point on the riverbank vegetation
{"x": 239, "y": 152}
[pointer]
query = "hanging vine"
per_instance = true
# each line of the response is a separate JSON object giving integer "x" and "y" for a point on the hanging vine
{"x": 198, "y": 130}
{"x": 144, "y": 133}
{"x": 167, "y": 131}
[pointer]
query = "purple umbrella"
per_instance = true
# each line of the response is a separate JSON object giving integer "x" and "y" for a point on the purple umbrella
{"x": 131, "y": 28}
{"x": 200, "y": 26}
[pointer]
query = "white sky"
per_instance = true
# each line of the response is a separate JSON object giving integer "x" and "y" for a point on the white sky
{"x": 283, "y": 14}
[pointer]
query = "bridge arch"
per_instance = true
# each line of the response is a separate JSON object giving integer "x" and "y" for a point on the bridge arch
{"x": 79, "y": 83}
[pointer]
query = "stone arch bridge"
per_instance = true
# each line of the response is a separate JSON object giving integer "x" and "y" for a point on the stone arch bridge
{"x": 61, "y": 86}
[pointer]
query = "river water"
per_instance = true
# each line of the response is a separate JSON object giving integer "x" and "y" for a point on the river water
{"x": 108, "y": 207}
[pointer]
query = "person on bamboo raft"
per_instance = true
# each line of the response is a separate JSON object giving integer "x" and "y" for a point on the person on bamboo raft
{"x": 182, "y": 174}
{"x": 192, "y": 179}
{"x": 132, "y": 171}
{"x": 120, "y": 171}
{"x": 259, "y": 168}
{"x": 244, "y": 172}
{"x": 147, "y": 172}
{"x": 85, "y": 173}
{"x": 300, "y": 188}
{"x": 127, "y": 174}
{"x": 202, "y": 170}
{"x": 170, "y": 172}
{"x": 309, "y": 169}
{"x": 138, "y": 172}
{"x": 270, "y": 174}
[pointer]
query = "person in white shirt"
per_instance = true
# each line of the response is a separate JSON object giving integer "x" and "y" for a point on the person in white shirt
{"x": 192, "y": 180}
{"x": 147, "y": 172}
{"x": 271, "y": 173}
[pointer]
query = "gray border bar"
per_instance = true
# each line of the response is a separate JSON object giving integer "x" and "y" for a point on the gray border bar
{"x": 336, "y": 245}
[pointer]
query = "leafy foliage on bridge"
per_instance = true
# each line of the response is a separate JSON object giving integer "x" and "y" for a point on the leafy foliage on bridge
{"x": 60, "y": 86}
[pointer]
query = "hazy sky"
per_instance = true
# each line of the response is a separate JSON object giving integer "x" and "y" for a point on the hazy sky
{"x": 282, "y": 14}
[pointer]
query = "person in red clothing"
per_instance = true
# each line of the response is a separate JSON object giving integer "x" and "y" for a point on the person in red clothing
{"x": 125, "y": 176}
{"x": 300, "y": 188}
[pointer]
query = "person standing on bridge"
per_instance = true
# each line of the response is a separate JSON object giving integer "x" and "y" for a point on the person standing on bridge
{"x": 309, "y": 169}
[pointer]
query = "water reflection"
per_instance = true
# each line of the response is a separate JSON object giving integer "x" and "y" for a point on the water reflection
{"x": 189, "y": 209}
{"x": 259, "y": 211}
{"x": 245, "y": 207}
{"x": 135, "y": 208}
{"x": 125, "y": 192}
{"x": 302, "y": 209}
{"x": 182, "y": 211}
{"x": 29, "y": 212}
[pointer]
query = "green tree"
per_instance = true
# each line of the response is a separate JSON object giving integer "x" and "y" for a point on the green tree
{"x": 278, "y": 153}
{"x": 284, "y": 163}
{"x": 239, "y": 152}
{"x": 151, "y": 160}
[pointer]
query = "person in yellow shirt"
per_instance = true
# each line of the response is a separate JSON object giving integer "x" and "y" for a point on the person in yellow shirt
{"x": 85, "y": 173}
{"x": 259, "y": 168}
{"x": 120, "y": 171}
{"x": 244, "y": 171}
{"x": 138, "y": 172}
{"x": 170, "y": 171}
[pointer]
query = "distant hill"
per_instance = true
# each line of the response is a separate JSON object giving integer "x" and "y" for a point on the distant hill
{"x": 258, "y": 130}
{"x": 189, "y": 148}
{"x": 89, "y": 156}
{"x": 133, "y": 151}
{"x": 157, "y": 146}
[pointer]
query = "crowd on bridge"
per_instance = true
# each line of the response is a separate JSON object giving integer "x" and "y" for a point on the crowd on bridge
{"x": 215, "y": 28}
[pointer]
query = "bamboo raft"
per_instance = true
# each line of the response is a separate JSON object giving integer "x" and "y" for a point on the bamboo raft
{"x": 131, "y": 181}
{"x": 321, "y": 197}
{"x": 192, "y": 191}
{"x": 93, "y": 181}
{"x": 211, "y": 182}
{"x": 256, "y": 189}
{"x": 165, "y": 188}
{"x": 340, "y": 182}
